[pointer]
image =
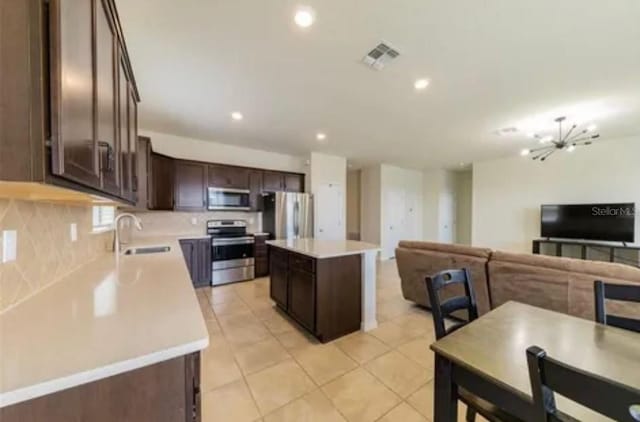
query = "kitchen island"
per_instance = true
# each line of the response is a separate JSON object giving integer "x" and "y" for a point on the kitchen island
{"x": 119, "y": 339}
{"x": 327, "y": 286}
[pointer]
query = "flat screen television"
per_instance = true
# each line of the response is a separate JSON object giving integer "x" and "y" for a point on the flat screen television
{"x": 609, "y": 222}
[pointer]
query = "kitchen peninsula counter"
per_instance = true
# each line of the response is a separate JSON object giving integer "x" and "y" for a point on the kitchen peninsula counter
{"x": 111, "y": 316}
{"x": 327, "y": 286}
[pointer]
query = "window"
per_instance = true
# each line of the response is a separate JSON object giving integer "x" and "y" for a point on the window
{"x": 103, "y": 217}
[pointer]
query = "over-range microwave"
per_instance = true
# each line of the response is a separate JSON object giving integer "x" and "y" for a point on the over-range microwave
{"x": 225, "y": 199}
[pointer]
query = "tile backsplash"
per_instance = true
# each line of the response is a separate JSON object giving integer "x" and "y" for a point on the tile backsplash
{"x": 45, "y": 252}
{"x": 170, "y": 223}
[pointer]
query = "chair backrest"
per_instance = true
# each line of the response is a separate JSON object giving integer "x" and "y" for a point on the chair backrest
{"x": 609, "y": 398}
{"x": 442, "y": 310}
{"x": 621, "y": 292}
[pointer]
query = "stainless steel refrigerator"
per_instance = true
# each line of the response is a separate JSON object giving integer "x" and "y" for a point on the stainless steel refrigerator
{"x": 287, "y": 215}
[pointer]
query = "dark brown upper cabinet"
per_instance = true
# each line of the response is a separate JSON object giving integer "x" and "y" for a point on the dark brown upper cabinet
{"x": 75, "y": 149}
{"x": 143, "y": 158}
{"x": 255, "y": 187}
{"x": 64, "y": 117}
{"x": 272, "y": 181}
{"x": 161, "y": 182}
{"x": 123, "y": 130}
{"x": 221, "y": 176}
{"x": 132, "y": 107}
{"x": 107, "y": 134}
{"x": 293, "y": 182}
{"x": 190, "y": 186}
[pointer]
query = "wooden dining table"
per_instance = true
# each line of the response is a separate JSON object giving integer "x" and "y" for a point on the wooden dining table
{"x": 487, "y": 357}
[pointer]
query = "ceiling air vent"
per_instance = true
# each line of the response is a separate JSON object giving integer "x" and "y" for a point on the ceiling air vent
{"x": 382, "y": 54}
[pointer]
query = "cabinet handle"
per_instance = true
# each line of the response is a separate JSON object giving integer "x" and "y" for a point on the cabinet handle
{"x": 110, "y": 155}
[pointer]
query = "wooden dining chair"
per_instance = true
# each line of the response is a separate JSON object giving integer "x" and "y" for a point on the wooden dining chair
{"x": 607, "y": 397}
{"x": 620, "y": 292}
{"x": 443, "y": 310}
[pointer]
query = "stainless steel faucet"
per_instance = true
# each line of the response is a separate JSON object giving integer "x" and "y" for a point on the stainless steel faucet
{"x": 116, "y": 222}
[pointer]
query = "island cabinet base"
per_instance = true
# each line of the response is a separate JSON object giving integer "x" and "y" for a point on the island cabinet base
{"x": 322, "y": 295}
{"x": 164, "y": 392}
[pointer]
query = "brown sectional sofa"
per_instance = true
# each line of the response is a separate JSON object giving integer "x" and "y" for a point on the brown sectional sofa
{"x": 418, "y": 259}
{"x": 559, "y": 284}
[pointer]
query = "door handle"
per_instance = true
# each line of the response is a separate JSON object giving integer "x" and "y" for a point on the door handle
{"x": 296, "y": 216}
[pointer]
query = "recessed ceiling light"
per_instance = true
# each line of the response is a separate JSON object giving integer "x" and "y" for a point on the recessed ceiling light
{"x": 304, "y": 17}
{"x": 421, "y": 84}
{"x": 236, "y": 115}
{"x": 321, "y": 137}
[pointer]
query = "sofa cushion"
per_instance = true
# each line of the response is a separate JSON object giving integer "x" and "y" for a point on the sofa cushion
{"x": 542, "y": 286}
{"x": 415, "y": 264}
{"x": 550, "y": 262}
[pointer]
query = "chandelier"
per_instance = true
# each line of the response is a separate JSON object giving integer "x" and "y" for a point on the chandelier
{"x": 567, "y": 141}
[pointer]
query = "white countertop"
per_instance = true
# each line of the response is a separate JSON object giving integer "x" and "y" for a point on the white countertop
{"x": 110, "y": 316}
{"x": 324, "y": 248}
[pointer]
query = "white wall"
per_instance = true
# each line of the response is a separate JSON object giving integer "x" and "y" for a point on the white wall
{"x": 507, "y": 193}
{"x": 371, "y": 202}
{"x": 195, "y": 149}
{"x": 329, "y": 170}
{"x": 401, "y": 211}
{"x": 439, "y": 206}
{"x": 463, "y": 193}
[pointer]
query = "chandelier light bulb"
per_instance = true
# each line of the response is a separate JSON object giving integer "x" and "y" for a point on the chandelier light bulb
{"x": 525, "y": 152}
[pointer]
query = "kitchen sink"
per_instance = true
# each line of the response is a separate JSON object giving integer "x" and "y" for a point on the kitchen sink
{"x": 148, "y": 250}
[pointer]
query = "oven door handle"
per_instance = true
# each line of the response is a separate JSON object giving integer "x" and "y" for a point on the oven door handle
{"x": 238, "y": 241}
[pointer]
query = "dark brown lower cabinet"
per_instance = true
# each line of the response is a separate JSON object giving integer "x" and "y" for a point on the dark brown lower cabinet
{"x": 322, "y": 295}
{"x": 302, "y": 300}
{"x": 197, "y": 254}
{"x": 164, "y": 392}
{"x": 278, "y": 271}
{"x": 261, "y": 255}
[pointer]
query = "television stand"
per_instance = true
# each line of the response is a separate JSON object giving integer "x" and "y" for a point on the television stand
{"x": 624, "y": 254}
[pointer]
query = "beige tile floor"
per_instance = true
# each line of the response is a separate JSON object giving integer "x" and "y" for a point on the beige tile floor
{"x": 260, "y": 366}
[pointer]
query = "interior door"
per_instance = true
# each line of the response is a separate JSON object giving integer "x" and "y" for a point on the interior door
{"x": 395, "y": 221}
{"x": 74, "y": 148}
{"x": 106, "y": 83}
{"x": 447, "y": 218}
{"x": 329, "y": 211}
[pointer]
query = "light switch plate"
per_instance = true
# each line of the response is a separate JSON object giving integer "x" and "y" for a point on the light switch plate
{"x": 74, "y": 232}
{"x": 9, "y": 245}
{"x": 194, "y": 221}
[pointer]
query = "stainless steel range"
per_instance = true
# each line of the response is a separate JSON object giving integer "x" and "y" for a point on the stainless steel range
{"x": 231, "y": 251}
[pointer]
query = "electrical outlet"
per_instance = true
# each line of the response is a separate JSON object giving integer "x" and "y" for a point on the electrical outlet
{"x": 9, "y": 245}
{"x": 73, "y": 232}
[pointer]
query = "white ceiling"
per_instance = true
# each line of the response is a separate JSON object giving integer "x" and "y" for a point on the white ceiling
{"x": 492, "y": 64}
